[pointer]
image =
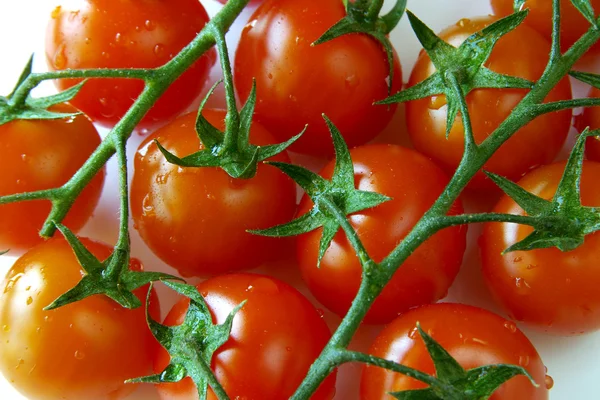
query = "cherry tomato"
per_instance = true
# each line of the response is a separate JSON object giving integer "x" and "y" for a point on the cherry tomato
{"x": 84, "y": 350}
{"x": 275, "y": 338}
{"x": 126, "y": 34}
{"x": 591, "y": 118}
{"x": 573, "y": 24}
{"x": 414, "y": 183}
{"x": 352, "y": 72}
{"x": 195, "y": 219}
{"x": 553, "y": 290}
{"x": 522, "y": 52}
{"x": 473, "y": 336}
{"x": 38, "y": 155}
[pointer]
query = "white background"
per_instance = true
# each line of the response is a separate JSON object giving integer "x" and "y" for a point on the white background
{"x": 572, "y": 362}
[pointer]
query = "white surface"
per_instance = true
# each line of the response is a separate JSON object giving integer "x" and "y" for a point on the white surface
{"x": 572, "y": 362}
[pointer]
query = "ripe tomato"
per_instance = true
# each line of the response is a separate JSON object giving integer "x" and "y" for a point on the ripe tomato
{"x": 572, "y": 26}
{"x": 195, "y": 219}
{"x": 126, "y": 34}
{"x": 554, "y": 290}
{"x": 414, "y": 183}
{"x": 473, "y": 336}
{"x": 44, "y": 154}
{"x": 81, "y": 351}
{"x": 275, "y": 338}
{"x": 352, "y": 72}
{"x": 591, "y": 118}
{"x": 522, "y": 52}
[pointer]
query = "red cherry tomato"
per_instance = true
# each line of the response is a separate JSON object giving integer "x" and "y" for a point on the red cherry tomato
{"x": 473, "y": 336}
{"x": 275, "y": 338}
{"x": 573, "y": 24}
{"x": 38, "y": 155}
{"x": 195, "y": 219}
{"x": 126, "y": 34}
{"x": 414, "y": 183}
{"x": 522, "y": 52}
{"x": 553, "y": 290}
{"x": 591, "y": 118}
{"x": 297, "y": 82}
{"x": 81, "y": 351}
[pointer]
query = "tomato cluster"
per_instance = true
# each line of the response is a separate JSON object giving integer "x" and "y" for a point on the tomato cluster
{"x": 199, "y": 220}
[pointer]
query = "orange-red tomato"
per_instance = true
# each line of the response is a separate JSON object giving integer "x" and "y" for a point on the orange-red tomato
{"x": 195, "y": 219}
{"x": 522, "y": 52}
{"x": 553, "y": 290}
{"x": 591, "y": 118}
{"x": 297, "y": 82}
{"x": 126, "y": 34}
{"x": 38, "y": 155}
{"x": 473, "y": 336}
{"x": 572, "y": 26}
{"x": 275, "y": 338}
{"x": 84, "y": 350}
{"x": 414, "y": 183}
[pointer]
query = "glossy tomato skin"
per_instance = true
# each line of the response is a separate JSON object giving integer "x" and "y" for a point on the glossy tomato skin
{"x": 81, "y": 351}
{"x": 195, "y": 219}
{"x": 126, "y": 34}
{"x": 573, "y": 24}
{"x": 591, "y": 118}
{"x": 297, "y": 82}
{"x": 522, "y": 52}
{"x": 473, "y": 336}
{"x": 414, "y": 183}
{"x": 553, "y": 290}
{"x": 275, "y": 338}
{"x": 38, "y": 155}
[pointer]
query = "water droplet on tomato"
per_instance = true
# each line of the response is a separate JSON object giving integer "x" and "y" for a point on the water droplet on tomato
{"x": 549, "y": 382}
{"x": 531, "y": 266}
{"x": 270, "y": 76}
{"x": 162, "y": 179}
{"x": 351, "y": 81}
{"x": 60, "y": 59}
{"x": 56, "y": 12}
{"x": 437, "y": 102}
{"x": 517, "y": 259}
{"x": 87, "y": 40}
{"x": 522, "y": 283}
{"x": 29, "y": 300}
{"x": 19, "y": 363}
{"x": 118, "y": 38}
{"x": 150, "y": 25}
{"x": 288, "y": 348}
{"x": 159, "y": 50}
{"x": 265, "y": 285}
{"x": 413, "y": 333}
{"x": 249, "y": 288}
{"x": 80, "y": 355}
{"x": 73, "y": 15}
{"x": 321, "y": 312}
{"x": 524, "y": 361}
{"x": 147, "y": 207}
{"x": 463, "y": 22}
{"x": 511, "y": 326}
{"x": 6, "y": 328}
{"x": 106, "y": 108}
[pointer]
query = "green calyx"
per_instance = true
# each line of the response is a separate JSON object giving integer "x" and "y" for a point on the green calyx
{"x": 586, "y": 9}
{"x": 460, "y": 70}
{"x": 31, "y": 108}
{"x": 362, "y": 16}
{"x": 331, "y": 199}
{"x": 562, "y": 222}
{"x": 230, "y": 150}
{"x": 111, "y": 277}
{"x": 453, "y": 382}
{"x": 191, "y": 345}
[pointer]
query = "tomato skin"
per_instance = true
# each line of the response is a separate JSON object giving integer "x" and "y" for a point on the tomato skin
{"x": 473, "y": 336}
{"x": 195, "y": 219}
{"x": 126, "y": 34}
{"x": 573, "y": 24}
{"x": 38, "y": 155}
{"x": 352, "y": 72}
{"x": 591, "y": 118}
{"x": 414, "y": 183}
{"x": 553, "y": 290}
{"x": 523, "y": 53}
{"x": 275, "y": 338}
{"x": 81, "y": 351}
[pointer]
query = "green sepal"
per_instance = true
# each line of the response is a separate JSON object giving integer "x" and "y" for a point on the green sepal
{"x": 3, "y": 252}
{"x": 340, "y": 192}
{"x": 585, "y": 77}
{"x": 562, "y": 222}
{"x": 192, "y": 344}
{"x": 358, "y": 20}
{"x": 586, "y": 9}
{"x": 98, "y": 279}
{"x": 462, "y": 66}
{"x": 237, "y": 156}
{"x": 35, "y": 108}
{"x": 518, "y": 5}
{"x": 455, "y": 382}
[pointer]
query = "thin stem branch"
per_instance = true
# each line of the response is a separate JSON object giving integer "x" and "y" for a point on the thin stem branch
{"x": 555, "y": 52}
{"x": 48, "y": 194}
{"x": 454, "y": 220}
{"x": 213, "y": 382}
{"x": 374, "y": 9}
{"x": 545, "y": 108}
{"x": 470, "y": 144}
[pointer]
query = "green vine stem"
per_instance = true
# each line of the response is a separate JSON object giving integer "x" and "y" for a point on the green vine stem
{"x": 156, "y": 83}
{"x": 435, "y": 219}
